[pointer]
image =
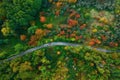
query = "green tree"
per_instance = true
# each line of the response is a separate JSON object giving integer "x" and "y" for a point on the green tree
{"x": 19, "y": 12}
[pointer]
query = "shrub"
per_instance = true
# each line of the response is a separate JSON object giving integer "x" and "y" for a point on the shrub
{"x": 19, "y": 47}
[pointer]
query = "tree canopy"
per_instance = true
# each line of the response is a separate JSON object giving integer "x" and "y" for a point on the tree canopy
{"x": 19, "y": 12}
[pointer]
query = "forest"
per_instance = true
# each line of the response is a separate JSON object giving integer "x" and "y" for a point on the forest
{"x": 59, "y": 39}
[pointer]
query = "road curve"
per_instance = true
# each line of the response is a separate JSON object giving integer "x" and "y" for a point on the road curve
{"x": 53, "y": 44}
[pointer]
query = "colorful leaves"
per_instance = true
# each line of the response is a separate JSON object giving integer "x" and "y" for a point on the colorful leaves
{"x": 104, "y": 38}
{"x": 42, "y": 19}
{"x": 82, "y": 26}
{"x": 58, "y": 52}
{"x": 98, "y": 41}
{"x": 22, "y": 37}
{"x": 6, "y": 31}
{"x": 62, "y": 32}
{"x": 104, "y": 20}
{"x": 72, "y": 1}
{"x": 78, "y": 25}
{"x": 58, "y": 4}
{"x": 25, "y": 66}
{"x": 92, "y": 42}
{"x": 113, "y": 44}
{"x": 49, "y": 26}
{"x": 77, "y": 15}
{"x": 72, "y": 22}
{"x": 72, "y": 14}
{"x": 57, "y": 13}
{"x": 32, "y": 43}
{"x": 94, "y": 30}
{"x": 39, "y": 32}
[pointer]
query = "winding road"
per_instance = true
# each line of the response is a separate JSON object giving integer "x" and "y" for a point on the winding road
{"x": 53, "y": 44}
